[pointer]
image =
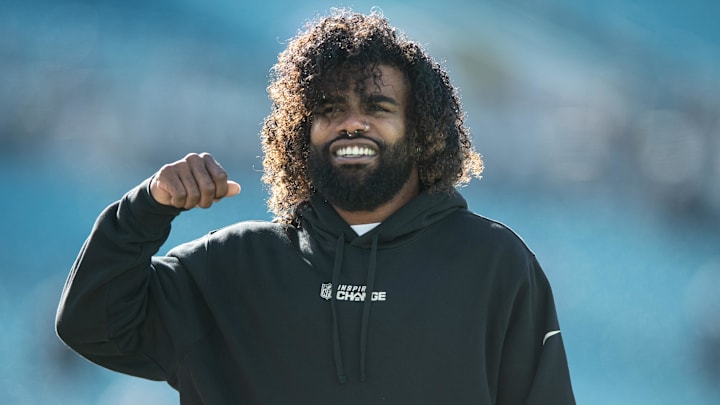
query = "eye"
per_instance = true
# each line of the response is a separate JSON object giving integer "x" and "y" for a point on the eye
{"x": 328, "y": 109}
{"x": 378, "y": 107}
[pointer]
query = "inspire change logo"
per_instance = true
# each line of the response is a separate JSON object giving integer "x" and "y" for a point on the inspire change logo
{"x": 347, "y": 292}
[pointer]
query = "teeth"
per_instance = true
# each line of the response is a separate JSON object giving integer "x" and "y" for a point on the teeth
{"x": 351, "y": 151}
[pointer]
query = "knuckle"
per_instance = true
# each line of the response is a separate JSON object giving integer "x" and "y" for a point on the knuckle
{"x": 221, "y": 175}
{"x": 193, "y": 195}
{"x": 191, "y": 157}
{"x": 164, "y": 170}
{"x": 207, "y": 185}
{"x": 170, "y": 168}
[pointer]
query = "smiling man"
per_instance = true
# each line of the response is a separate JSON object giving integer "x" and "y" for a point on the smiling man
{"x": 360, "y": 158}
{"x": 374, "y": 283}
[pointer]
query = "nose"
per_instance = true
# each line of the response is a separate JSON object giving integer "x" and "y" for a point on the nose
{"x": 354, "y": 123}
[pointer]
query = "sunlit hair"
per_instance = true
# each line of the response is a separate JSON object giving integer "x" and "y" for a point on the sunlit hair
{"x": 343, "y": 49}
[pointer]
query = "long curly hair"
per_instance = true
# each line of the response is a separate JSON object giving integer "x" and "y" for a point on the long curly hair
{"x": 329, "y": 53}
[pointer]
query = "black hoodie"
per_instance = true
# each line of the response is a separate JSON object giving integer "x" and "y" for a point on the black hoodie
{"x": 436, "y": 305}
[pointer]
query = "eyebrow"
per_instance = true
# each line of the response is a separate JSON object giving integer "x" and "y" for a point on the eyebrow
{"x": 367, "y": 99}
{"x": 332, "y": 100}
{"x": 379, "y": 98}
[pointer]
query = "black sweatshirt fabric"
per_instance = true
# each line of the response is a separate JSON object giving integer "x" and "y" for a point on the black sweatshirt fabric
{"x": 436, "y": 305}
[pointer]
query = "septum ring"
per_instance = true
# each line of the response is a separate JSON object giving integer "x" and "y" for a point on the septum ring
{"x": 357, "y": 132}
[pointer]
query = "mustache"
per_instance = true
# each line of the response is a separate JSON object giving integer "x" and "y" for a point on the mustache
{"x": 346, "y": 136}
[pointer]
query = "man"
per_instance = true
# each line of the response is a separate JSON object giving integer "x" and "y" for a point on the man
{"x": 374, "y": 284}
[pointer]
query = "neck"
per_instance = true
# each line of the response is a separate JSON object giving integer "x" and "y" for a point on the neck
{"x": 409, "y": 190}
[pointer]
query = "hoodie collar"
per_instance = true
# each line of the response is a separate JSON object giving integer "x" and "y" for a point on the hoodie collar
{"x": 422, "y": 211}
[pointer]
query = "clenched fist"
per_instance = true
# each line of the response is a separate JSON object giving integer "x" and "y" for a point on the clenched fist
{"x": 197, "y": 180}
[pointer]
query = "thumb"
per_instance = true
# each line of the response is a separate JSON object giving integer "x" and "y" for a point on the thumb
{"x": 233, "y": 188}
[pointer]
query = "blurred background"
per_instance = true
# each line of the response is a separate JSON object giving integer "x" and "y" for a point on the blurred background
{"x": 599, "y": 123}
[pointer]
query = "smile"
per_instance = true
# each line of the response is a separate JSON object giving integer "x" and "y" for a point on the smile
{"x": 355, "y": 151}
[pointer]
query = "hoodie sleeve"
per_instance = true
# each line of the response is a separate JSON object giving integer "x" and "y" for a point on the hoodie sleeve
{"x": 119, "y": 303}
{"x": 534, "y": 368}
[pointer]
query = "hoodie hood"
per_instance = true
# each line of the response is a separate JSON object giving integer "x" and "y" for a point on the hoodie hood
{"x": 320, "y": 219}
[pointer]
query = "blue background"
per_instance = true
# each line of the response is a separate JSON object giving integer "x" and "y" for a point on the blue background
{"x": 599, "y": 124}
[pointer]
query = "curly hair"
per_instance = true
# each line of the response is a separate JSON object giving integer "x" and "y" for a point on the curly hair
{"x": 345, "y": 46}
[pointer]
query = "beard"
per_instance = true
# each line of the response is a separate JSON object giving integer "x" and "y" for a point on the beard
{"x": 361, "y": 187}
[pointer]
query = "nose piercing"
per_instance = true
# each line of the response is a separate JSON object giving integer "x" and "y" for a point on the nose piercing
{"x": 358, "y": 132}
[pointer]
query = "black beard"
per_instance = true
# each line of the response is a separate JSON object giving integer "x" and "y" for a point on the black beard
{"x": 359, "y": 187}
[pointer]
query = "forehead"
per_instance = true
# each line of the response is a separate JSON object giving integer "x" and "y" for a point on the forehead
{"x": 383, "y": 79}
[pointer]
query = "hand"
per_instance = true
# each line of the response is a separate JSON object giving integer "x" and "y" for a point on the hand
{"x": 197, "y": 180}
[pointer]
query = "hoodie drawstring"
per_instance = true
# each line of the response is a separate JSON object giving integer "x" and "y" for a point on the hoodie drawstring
{"x": 337, "y": 351}
{"x": 370, "y": 284}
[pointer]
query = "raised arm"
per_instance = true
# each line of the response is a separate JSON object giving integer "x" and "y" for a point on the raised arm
{"x": 115, "y": 306}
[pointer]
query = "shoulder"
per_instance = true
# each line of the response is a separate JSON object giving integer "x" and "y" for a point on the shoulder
{"x": 246, "y": 234}
{"x": 251, "y": 230}
{"x": 488, "y": 231}
{"x": 496, "y": 249}
{"x": 501, "y": 253}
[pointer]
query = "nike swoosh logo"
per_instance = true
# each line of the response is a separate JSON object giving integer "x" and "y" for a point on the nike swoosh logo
{"x": 549, "y": 335}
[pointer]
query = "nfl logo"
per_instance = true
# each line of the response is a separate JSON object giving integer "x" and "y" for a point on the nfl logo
{"x": 326, "y": 291}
